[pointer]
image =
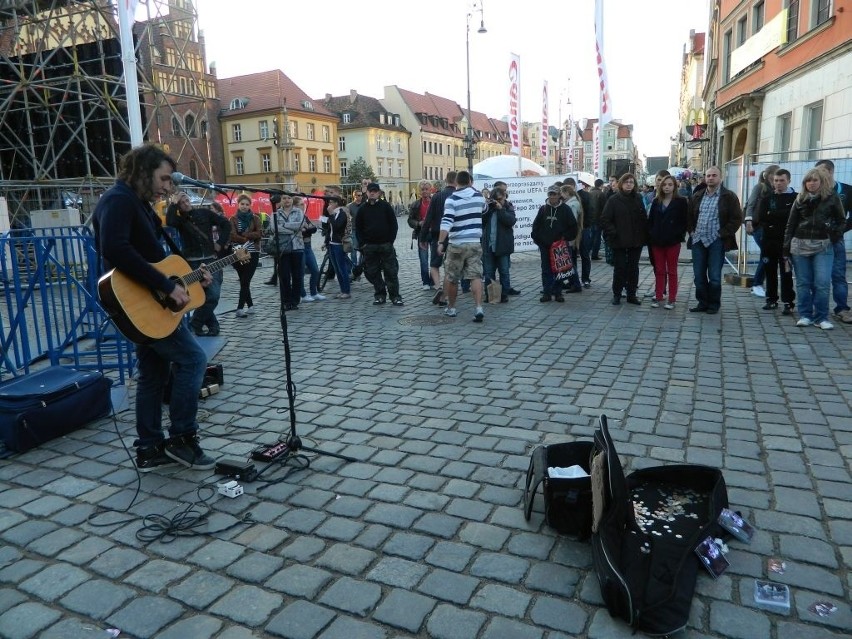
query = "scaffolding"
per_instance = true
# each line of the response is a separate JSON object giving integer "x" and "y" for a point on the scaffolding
{"x": 63, "y": 110}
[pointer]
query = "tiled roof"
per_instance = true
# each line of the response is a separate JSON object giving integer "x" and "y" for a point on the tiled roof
{"x": 436, "y": 106}
{"x": 265, "y": 91}
{"x": 364, "y": 111}
{"x": 698, "y": 43}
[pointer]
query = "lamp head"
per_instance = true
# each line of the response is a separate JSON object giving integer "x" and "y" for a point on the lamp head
{"x": 482, "y": 28}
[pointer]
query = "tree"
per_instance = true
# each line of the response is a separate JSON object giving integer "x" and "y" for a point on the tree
{"x": 359, "y": 170}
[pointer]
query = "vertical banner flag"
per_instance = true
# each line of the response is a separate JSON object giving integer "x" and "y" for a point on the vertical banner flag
{"x": 606, "y": 105}
{"x": 544, "y": 127}
{"x": 596, "y": 163}
{"x": 569, "y": 159}
{"x": 515, "y": 105}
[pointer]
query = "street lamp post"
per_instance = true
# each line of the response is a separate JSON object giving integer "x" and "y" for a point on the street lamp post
{"x": 469, "y": 150}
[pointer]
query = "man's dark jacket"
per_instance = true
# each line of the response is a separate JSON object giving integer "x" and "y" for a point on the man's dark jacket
{"x": 730, "y": 215}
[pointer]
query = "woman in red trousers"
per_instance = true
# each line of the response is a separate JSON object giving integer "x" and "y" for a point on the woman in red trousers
{"x": 666, "y": 229}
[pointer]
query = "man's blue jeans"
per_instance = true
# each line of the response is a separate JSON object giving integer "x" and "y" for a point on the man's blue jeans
{"x": 759, "y": 274}
{"x": 813, "y": 280}
{"x": 423, "y": 255}
{"x": 188, "y": 362}
{"x": 707, "y": 262}
{"x": 310, "y": 266}
{"x": 491, "y": 264}
{"x": 596, "y": 241}
{"x": 839, "y": 286}
{"x": 205, "y": 315}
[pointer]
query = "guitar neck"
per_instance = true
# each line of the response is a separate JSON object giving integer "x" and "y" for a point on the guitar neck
{"x": 213, "y": 267}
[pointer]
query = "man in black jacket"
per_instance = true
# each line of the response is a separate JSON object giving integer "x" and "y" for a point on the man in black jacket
{"x": 377, "y": 227}
{"x": 772, "y": 213}
{"x": 199, "y": 246}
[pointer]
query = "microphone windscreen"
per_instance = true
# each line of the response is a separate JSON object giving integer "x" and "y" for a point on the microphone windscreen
{"x": 177, "y": 178}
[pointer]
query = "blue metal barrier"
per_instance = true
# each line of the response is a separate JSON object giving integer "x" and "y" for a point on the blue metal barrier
{"x": 50, "y": 307}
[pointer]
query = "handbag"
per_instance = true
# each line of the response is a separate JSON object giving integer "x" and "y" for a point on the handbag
{"x": 560, "y": 260}
{"x": 279, "y": 244}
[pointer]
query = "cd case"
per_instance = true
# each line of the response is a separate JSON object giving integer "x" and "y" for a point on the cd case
{"x": 735, "y": 524}
{"x": 772, "y": 596}
{"x": 711, "y": 557}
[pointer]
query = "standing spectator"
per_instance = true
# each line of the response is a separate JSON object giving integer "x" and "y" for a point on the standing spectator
{"x": 287, "y": 232}
{"x": 553, "y": 222}
{"x": 507, "y": 204}
{"x": 355, "y": 253}
{"x": 658, "y": 178}
{"x": 685, "y": 190}
{"x": 715, "y": 216}
{"x": 839, "y": 285}
{"x": 498, "y": 241}
{"x": 377, "y": 229}
{"x": 569, "y": 195}
{"x": 339, "y": 225}
{"x": 417, "y": 212}
{"x": 196, "y": 233}
{"x": 624, "y": 224}
{"x": 246, "y": 230}
{"x": 763, "y": 188}
{"x": 772, "y": 214}
{"x": 310, "y": 265}
{"x": 666, "y": 229}
{"x": 431, "y": 230}
{"x": 816, "y": 218}
{"x": 461, "y": 226}
{"x": 127, "y": 233}
{"x": 592, "y": 230}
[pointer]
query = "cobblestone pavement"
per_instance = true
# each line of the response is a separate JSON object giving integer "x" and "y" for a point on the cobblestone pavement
{"x": 424, "y": 535}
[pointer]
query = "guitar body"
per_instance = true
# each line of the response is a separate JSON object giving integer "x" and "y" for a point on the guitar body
{"x": 142, "y": 315}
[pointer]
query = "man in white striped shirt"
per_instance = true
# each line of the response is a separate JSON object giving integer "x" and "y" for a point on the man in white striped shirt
{"x": 462, "y": 225}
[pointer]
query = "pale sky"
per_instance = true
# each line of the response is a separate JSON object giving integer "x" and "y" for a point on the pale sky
{"x": 332, "y": 46}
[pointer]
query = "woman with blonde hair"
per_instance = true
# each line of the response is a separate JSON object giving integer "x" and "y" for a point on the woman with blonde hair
{"x": 667, "y": 222}
{"x": 817, "y": 220}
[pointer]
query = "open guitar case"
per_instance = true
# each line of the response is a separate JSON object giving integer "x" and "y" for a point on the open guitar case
{"x": 645, "y": 528}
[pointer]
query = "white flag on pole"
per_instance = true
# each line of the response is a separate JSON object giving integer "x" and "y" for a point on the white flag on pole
{"x": 606, "y": 104}
{"x": 515, "y": 138}
{"x": 544, "y": 124}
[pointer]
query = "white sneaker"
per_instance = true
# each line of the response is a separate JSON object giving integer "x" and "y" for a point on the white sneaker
{"x": 825, "y": 325}
{"x": 759, "y": 291}
{"x": 805, "y": 322}
{"x": 250, "y": 310}
{"x": 426, "y": 287}
{"x": 319, "y": 298}
{"x": 450, "y": 312}
{"x": 308, "y": 298}
{"x": 668, "y": 306}
{"x": 655, "y": 304}
{"x": 241, "y": 312}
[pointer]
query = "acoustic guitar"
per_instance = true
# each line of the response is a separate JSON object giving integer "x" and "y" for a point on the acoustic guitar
{"x": 143, "y": 314}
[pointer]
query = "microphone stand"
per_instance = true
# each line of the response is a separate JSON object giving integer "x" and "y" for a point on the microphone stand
{"x": 293, "y": 444}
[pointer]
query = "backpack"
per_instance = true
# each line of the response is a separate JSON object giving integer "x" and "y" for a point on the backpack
{"x": 645, "y": 529}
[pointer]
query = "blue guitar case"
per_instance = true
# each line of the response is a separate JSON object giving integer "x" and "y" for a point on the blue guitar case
{"x": 52, "y": 402}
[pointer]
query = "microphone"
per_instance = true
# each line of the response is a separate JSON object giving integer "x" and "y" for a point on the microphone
{"x": 179, "y": 178}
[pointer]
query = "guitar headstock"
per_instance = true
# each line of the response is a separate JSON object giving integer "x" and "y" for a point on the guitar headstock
{"x": 242, "y": 254}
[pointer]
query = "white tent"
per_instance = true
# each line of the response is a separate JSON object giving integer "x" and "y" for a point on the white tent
{"x": 504, "y": 166}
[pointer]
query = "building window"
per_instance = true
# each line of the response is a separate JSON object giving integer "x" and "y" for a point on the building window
{"x": 238, "y": 103}
{"x": 399, "y": 169}
{"x": 742, "y": 25}
{"x": 380, "y": 166}
{"x": 399, "y": 144}
{"x": 347, "y": 118}
{"x": 726, "y": 56}
{"x": 236, "y": 133}
{"x": 792, "y": 20}
{"x": 424, "y": 151}
{"x": 378, "y": 143}
{"x": 297, "y": 164}
{"x": 326, "y": 164}
{"x": 812, "y": 129}
{"x": 821, "y": 12}
{"x": 263, "y": 129}
{"x": 783, "y": 129}
{"x": 326, "y": 134}
{"x": 204, "y": 129}
{"x": 239, "y": 165}
{"x": 344, "y": 169}
{"x": 193, "y": 169}
{"x": 182, "y": 86}
{"x": 341, "y": 143}
{"x": 758, "y": 15}
{"x": 266, "y": 162}
{"x": 189, "y": 124}
{"x": 175, "y": 126}
{"x": 294, "y": 129}
{"x": 310, "y": 128}
{"x": 312, "y": 163}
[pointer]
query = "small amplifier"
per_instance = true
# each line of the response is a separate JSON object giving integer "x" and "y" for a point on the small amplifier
{"x": 269, "y": 453}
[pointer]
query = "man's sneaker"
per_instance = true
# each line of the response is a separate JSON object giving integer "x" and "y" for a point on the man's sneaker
{"x": 213, "y": 331}
{"x": 788, "y": 309}
{"x": 250, "y": 310}
{"x": 825, "y": 325}
{"x": 319, "y": 297}
{"x": 758, "y": 290}
{"x": 804, "y": 322}
{"x": 512, "y": 291}
{"x": 378, "y": 301}
{"x": 479, "y": 315}
{"x": 241, "y": 312}
{"x": 426, "y": 287}
{"x": 308, "y": 298}
{"x": 184, "y": 449}
{"x": 450, "y": 312}
{"x": 397, "y": 301}
{"x": 844, "y": 316}
{"x": 150, "y": 457}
